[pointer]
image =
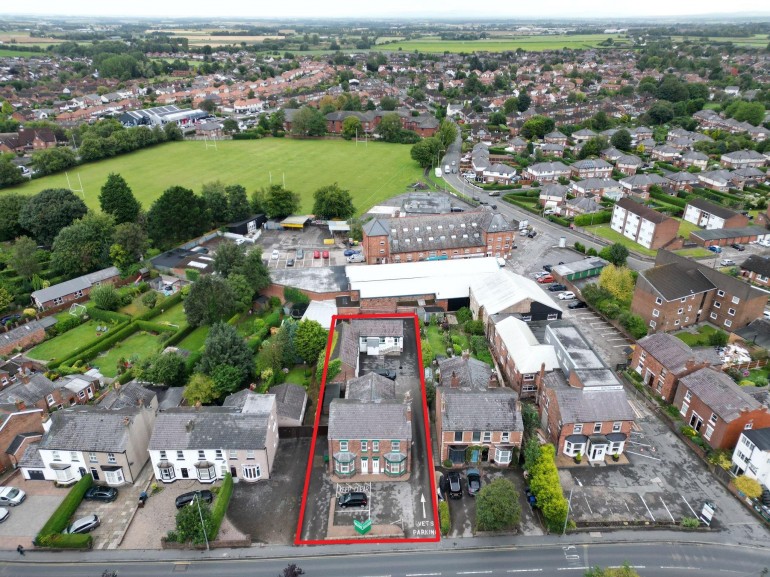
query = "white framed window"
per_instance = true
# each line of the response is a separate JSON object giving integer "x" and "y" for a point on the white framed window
{"x": 486, "y": 437}
{"x": 652, "y": 324}
{"x": 717, "y": 305}
{"x": 736, "y": 300}
{"x": 679, "y": 311}
{"x": 676, "y": 322}
{"x": 364, "y": 446}
{"x": 503, "y": 456}
{"x": 343, "y": 446}
{"x": 233, "y": 454}
{"x": 505, "y": 437}
{"x": 395, "y": 446}
{"x": 728, "y": 323}
{"x": 577, "y": 428}
{"x": 111, "y": 458}
{"x": 218, "y": 455}
{"x": 597, "y": 427}
{"x": 658, "y": 301}
{"x": 528, "y": 377}
{"x": 713, "y": 419}
{"x": 748, "y": 426}
{"x": 250, "y": 455}
{"x": 655, "y": 313}
{"x": 92, "y": 456}
{"x": 616, "y": 427}
{"x": 50, "y": 400}
{"x": 201, "y": 455}
{"x": 251, "y": 472}
{"x": 713, "y": 315}
{"x": 731, "y": 312}
{"x": 720, "y": 293}
{"x": 180, "y": 455}
{"x": 55, "y": 456}
{"x": 684, "y": 409}
{"x": 709, "y": 432}
{"x": 74, "y": 457}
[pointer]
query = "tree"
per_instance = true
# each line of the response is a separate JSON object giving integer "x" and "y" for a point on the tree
{"x": 255, "y": 270}
{"x": 524, "y": 102}
{"x": 229, "y": 258}
{"x": 9, "y": 173}
{"x": 210, "y": 301}
{"x": 351, "y": 127}
{"x": 176, "y": 216}
{"x": 497, "y": 506}
{"x": 172, "y": 131}
{"x": 230, "y": 126}
{"x": 447, "y": 133}
{"x": 660, "y": 112}
{"x": 10, "y": 208}
{"x": 497, "y": 118}
{"x": 84, "y": 246}
{"x": 310, "y": 340}
{"x": 6, "y": 297}
{"x": 276, "y": 121}
{"x": 129, "y": 243}
{"x": 511, "y": 105}
{"x": 24, "y": 257}
{"x": 242, "y": 291}
{"x": 167, "y": 369}
{"x": 426, "y": 152}
{"x": 118, "y": 200}
{"x": 618, "y": 281}
{"x": 216, "y": 201}
{"x": 388, "y": 103}
{"x": 225, "y": 347}
{"x": 238, "y": 207}
{"x": 621, "y": 140}
{"x": 280, "y": 202}
{"x": 748, "y": 486}
{"x": 308, "y": 121}
{"x": 333, "y": 202}
{"x": 616, "y": 253}
{"x": 537, "y": 127}
{"x": 199, "y": 389}
{"x": 389, "y": 127}
{"x": 592, "y": 147}
{"x": 208, "y": 105}
{"x": 105, "y": 297}
{"x": 53, "y": 160}
{"x": 150, "y": 299}
{"x": 189, "y": 527}
{"x": 49, "y": 211}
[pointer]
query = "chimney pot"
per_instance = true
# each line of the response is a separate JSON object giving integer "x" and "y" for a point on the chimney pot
{"x": 454, "y": 381}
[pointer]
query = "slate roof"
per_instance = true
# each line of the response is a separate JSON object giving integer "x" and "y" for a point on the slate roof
{"x": 673, "y": 282}
{"x": 353, "y": 419}
{"x": 760, "y": 437}
{"x": 720, "y": 393}
{"x": 470, "y": 373}
{"x": 587, "y": 406}
{"x": 759, "y": 264}
{"x": 629, "y": 160}
{"x": 74, "y": 285}
{"x": 543, "y": 167}
{"x": 584, "y": 204}
{"x": 347, "y": 345}
{"x": 370, "y": 387}
{"x": 208, "y": 428}
{"x": 591, "y": 163}
{"x": 30, "y": 393}
{"x": 671, "y": 352}
{"x": 757, "y": 331}
{"x": 24, "y": 330}
{"x": 32, "y": 458}
{"x": 490, "y": 410}
{"x": 290, "y": 400}
{"x": 644, "y": 212}
{"x": 132, "y": 394}
{"x": 379, "y": 327}
{"x": 558, "y": 190}
{"x": 642, "y": 180}
{"x": 89, "y": 429}
{"x": 711, "y": 208}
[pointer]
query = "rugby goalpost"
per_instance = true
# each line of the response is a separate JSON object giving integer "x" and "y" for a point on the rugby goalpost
{"x": 77, "y": 310}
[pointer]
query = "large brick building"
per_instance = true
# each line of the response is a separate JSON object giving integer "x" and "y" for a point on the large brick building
{"x": 437, "y": 237}
{"x": 708, "y": 215}
{"x": 643, "y": 225}
{"x": 678, "y": 292}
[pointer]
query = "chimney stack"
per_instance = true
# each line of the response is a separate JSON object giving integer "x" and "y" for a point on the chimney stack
{"x": 408, "y": 405}
{"x": 454, "y": 380}
{"x": 20, "y": 405}
{"x": 466, "y": 355}
{"x": 689, "y": 364}
{"x": 190, "y": 426}
{"x": 493, "y": 382}
{"x": 253, "y": 386}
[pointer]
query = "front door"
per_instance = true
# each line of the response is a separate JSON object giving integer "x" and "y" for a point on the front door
{"x": 364, "y": 466}
{"x": 597, "y": 452}
{"x": 95, "y": 473}
{"x": 376, "y": 466}
{"x": 234, "y": 472}
{"x": 185, "y": 474}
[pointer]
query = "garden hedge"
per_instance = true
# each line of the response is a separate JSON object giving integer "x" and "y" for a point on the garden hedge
{"x": 161, "y": 306}
{"x": 180, "y": 335}
{"x": 444, "y": 521}
{"x": 602, "y": 217}
{"x": 75, "y": 354}
{"x": 510, "y": 199}
{"x": 155, "y": 327}
{"x": 221, "y": 504}
{"x": 106, "y": 316}
{"x": 51, "y": 533}
{"x": 668, "y": 199}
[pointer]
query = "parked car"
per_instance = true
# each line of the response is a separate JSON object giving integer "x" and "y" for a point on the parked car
{"x": 440, "y": 485}
{"x": 557, "y": 287}
{"x": 4, "y": 514}
{"x": 532, "y": 234}
{"x": 351, "y": 252}
{"x": 99, "y": 493}
{"x": 387, "y": 373}
{"x": 531, "y": 499}
{"x": 738, "y": 247}
{"x": 566, "y": 296}
{"x": 547, "y": 267}
{"x": 727, "y": 262}
{"x": 453, "y": 484}
{"x": 716, "y": 249}
{"x": 577, "y": 305}
{"x": 9, "y": 319}
{"x": 326, "y": 254}
{"x": 545, "y": 279}
{"x": 538, "y": 275}
{"x": 473, "y": 478}
{"x": 188, "y": 498}
{"x": 316, "y": 254}
{"x": 275, "y": 254}
{"x": 353, "y": 499}
{"x": 290, "y": 262}
{"x": 83, "y": 525}
{"x": 11, "y": 496}
{"x": 300, "y": 254}
{"x": 457, "y": 209}
{"x": 358, "y": 257}
{"x": 548, "y": 212}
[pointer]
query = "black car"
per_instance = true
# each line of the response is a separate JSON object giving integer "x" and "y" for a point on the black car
{"x": 473, "y": 478}
{"x": 547, "y": 267}
{"x": 9, "y": 319}
{"x": 187, "y": 498}
{"x": 387, "y": 373}
{"x": 557, "y": 287}
{"x": 353, "y": 499}
{"x": 532, "y": 234}
{"x": 738, "y": 247}
{"x": 97, "y": 493}
{"x": 453, "y": 483}
{"x": 576, "y": 304}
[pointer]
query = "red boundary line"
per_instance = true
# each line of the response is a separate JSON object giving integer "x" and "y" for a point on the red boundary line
{"x": 298, "y": 535}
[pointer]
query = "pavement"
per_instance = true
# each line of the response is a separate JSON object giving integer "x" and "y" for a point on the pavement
{"x": 26, "y": 520}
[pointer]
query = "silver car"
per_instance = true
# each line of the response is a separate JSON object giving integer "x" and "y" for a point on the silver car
{"x": 84, "y": 525}
{"x": 11, "y": 496}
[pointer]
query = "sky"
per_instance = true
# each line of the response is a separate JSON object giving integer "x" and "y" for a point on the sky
{"x": 393, "y": 9}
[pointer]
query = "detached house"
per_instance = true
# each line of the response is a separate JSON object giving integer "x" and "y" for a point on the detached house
{"x": 742, "y": 159}
{"x": 708, "y": 215}
{"x": 552, "y": 195}
{"x": 206, "y": 443}
{"x": 477, "y": 420}
{"x": 628, "y": 164}
{"x": 714, "y": 405}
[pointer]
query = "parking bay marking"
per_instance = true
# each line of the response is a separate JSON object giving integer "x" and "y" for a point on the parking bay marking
{"x": 523, "y": 570}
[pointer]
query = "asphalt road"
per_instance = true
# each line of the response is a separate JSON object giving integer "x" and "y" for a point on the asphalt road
{"x": 649, "y": 559}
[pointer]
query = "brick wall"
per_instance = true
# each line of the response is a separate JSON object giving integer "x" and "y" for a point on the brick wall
{"x": 31, "y": 338}
{"x": 17, "y": 423}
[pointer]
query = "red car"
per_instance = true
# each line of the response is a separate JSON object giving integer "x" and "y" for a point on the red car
{"x": 316, "y": 254}
{"x": 545, "y": 279}
{"x": 326, "y": 254}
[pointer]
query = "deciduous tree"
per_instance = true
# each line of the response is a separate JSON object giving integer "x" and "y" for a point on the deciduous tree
{"x": 210, "y": 301}
{"x": 308, "y": 121}
{"x": 352, "y": 127}
{"x": 280, "y": 202}
{"x": 333, "y": 202}
{"x": 309, "y": 340}
{"x": 229, "y": 258}
{"x": 237, "y": 203}
{"x": 447, "y": 133}
{"x": 497, "y": 506}
{"x": 199, "y": 389}
{"x": 618, "y": 281}
{"x": 225, "y": 347}
{"x": 426, "y": 152}
{"x": 389, "y": 128}
{"x": 24, "y": 257}
{"x": 537, "y": 127}
{"x": 84, "y": 246}
{"x": 167, "y": 369}
{"x": 49, "y": 211}
{"x": 10, "y": 208}
{"x": 621, "y": 140}
{"x": 176, "y": 216}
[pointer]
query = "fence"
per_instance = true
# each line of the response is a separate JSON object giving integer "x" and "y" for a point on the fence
{"x": 747, "y": 366}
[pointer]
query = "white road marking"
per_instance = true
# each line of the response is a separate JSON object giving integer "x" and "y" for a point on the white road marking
{"x": 572, "y": 568}
{"x": 667, "y": 511}
{"x": 421, "y": 574}
{"x": 643, "y": 455}
{"x": 523, "y": 570}
{"x": 588, "y": 505}
{"x": 646, "y": 507}
{"x": 674, "y": 567}
{"x": 474, "y": 572}
{"x": 688, "y": 505}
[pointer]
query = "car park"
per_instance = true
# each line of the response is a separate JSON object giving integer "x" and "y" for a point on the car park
{"x": 300, "y": 254}
{"x": 716, "y": 249}
{"x": 290, "y": 262}
{"x": 738, "y": 247}
{"x": 454, "y": 487}
{"x": 545, "y": 279}
{"x": 11, "y": 496}
{"x": 557, "y": 287}
{"x": 326, "y": 254}
{"x": 353, "y": 499}
{"x": 275, "y": 254}
{"x": 83, "y": 525}
{"x": 188, "y": 498}
{"x": 566, "y": 296}
{"x": 577, "y": 305}
{"x": 473, "y": 479}
{"x": 316, "y": 254}
{"x": 727, "y": 262}
{"x": 100, "y": 493}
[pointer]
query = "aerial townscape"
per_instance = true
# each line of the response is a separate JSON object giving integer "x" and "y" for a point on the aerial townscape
{"x": 423, "y": 289}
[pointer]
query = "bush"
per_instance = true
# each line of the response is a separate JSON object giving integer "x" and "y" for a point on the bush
{"x": 580, "y": 247}
{"x": 296, "y": 296}
{"x": 690, "y": 522}
{"x": 220, "y": 505}
{"x": 602, "y": 217}
{"x": 463, "y": 315}
{"x": 497, "y": 506}
{"x": 105, "y": 297}
{"x": 445, "y": 522}
{"x": 718, "y": 338}
{"x": 474, "y": 327}
{"x": 689, "y": 432}
{"x": 545, "y": 484}
{"x": 63, "y": 513}
{"x": 107, "y": 316}
{"x": 749, "y": 487}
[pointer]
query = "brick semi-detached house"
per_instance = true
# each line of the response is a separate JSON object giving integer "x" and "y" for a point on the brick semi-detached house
{"x": 678, "y": 292}
{"x": 714, "y": 405}
{"x": 437, "y": 237}
{"x": 756, "y": 268}
{"x": 643, "y": 225}
{"x": 18, "y": 427}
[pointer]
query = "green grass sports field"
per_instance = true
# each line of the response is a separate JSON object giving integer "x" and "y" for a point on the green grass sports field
{"x": 372, "y": 173}
{"x": 530, "y": 43}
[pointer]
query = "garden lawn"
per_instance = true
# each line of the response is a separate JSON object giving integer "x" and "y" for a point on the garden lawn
{"x": 297, "y": 375}
{"x": 604, "y": 231}
{"x": 685, "y": 228}
{"x": 135, "y": 308}
{"x": 698, "y": 252}
{"x": 62, "y": 345}
{"x": 701, "y": 339}
{"x": 174, "y": 316}
{"x": 195, "y": 340}
{"x": 372, "y": 173}
{"x": 138, "y": 346}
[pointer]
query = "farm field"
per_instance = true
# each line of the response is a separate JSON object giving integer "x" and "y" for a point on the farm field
{"x": 203, "y": 37}
{"x": 531, "y": 43}
{"x": 755, "y": 41}
{"x": 372, "y": 173}
{"x": 5, "y": 53}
